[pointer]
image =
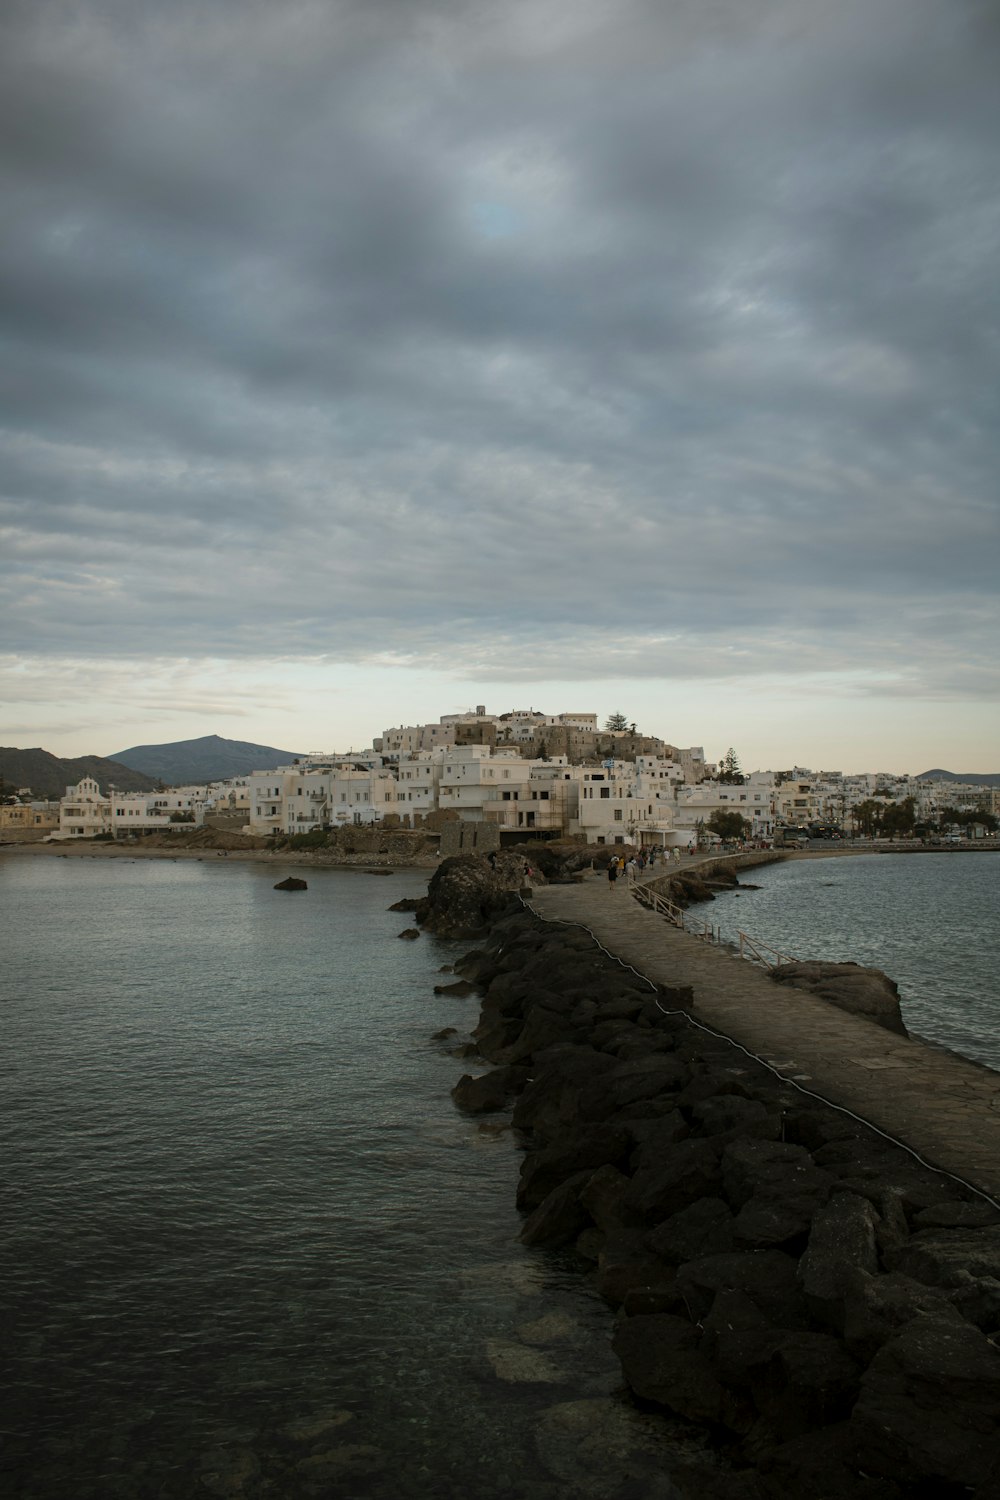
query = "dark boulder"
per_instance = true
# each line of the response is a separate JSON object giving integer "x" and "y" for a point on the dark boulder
{"x": 942, "y": 1257}
{"x": 876, "y": 1308}
{"x": 662, "y": 1362}
{"x": 730, "y": 1115}
{"x": 766, "y": 1277}
{"x": 821, "y": 1465}
{"x": 543, "y": 1028}
{"x": 863, "y": 992}
{"x": 631, "y": 1082}
{"x": 496, "y": 1036}
{"x": 489, "y": 1092}
{"x": 591, "y": 1147}
{"x": 637, "y": 1041}
{"x": 956, "y": 1215}
{"x": 929, "y": 1408}
{"x": 604, "y": 1198}
{"x": 291, "y": 883}
{"x": 797, "y": 1379}
{"x": 550, "y": 1102}
{"x": 753, "y": 1168}
{"x": 625, "y": 1265}
{"x": 476, "y": 966}
{"x": 978, "y": 1301}
{"x": 463, "y": 895}
{"x": 689, "y": 1172}
{"x": 697, "y": 1479}
{"x": 461, "y": 988}
{"x": 507, "y": 991}
{"x": 815, "y": 1126}
{"x": 775, "y": 1189}
{"x": 841, "y": 1250}
{"x": 767, "y": 1222}
{"x": 655, "y": 1135}
{"x": 705, "y": 1227}
{"x": 560, "y": 1217}
{"x": 661, "y": 1297}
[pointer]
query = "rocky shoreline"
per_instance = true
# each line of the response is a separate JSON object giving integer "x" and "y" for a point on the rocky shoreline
{"x": 821, "y": 1306}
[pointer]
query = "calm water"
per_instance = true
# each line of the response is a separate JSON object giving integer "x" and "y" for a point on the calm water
{"x": 930, "y": 921}
{"x": 249, "y": 1247}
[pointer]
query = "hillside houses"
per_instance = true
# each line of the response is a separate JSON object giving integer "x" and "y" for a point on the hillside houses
{"x": 85, "y": 811}
{"x": 506, "y": 771}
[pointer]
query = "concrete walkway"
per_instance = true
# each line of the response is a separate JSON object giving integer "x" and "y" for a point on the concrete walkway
{"x": 943, "y": 1107}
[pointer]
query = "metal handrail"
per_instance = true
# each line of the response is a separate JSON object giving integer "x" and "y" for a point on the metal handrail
{"x": 675, "y": 914}
{"x": 751, "y": 949}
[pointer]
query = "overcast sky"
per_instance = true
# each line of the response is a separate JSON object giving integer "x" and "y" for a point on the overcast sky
{"x": 366, "y": 361}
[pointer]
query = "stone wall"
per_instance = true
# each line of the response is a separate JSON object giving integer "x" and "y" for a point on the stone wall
{"x": 468, "y": 838}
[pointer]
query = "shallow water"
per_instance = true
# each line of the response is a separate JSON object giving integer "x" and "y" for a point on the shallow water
{"x": 930, "y": 921}
{"x": 250, "y": 1247}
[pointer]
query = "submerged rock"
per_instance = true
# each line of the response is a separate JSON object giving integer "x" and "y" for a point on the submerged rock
{"x": 516, "y": 1363}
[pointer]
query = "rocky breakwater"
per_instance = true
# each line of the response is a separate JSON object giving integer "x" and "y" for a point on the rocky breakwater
{"x": 787, "y": 1281}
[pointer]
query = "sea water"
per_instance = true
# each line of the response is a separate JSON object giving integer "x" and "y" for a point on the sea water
{"x": 931, "y": 921}
{"x": 249, "y": 1247}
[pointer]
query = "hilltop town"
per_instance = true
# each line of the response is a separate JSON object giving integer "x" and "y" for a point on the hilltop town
{"x": 479, "y": 779}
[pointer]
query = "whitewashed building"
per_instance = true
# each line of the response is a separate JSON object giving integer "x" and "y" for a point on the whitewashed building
{"x": 418, "y": 777}
{"x": 548, "y": 803}
{"x": 472, "y": 775}
{"x": 84, "y": 811}
{"x": 754, "y": 801}
{"x": 620, "y": 804}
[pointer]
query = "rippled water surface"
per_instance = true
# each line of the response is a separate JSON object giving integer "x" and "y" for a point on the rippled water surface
{"x": 930, "y": 921}
{"x": 249, "y": 1247}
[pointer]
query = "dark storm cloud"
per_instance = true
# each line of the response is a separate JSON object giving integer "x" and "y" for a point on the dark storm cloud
{"x": 450, "y": 328}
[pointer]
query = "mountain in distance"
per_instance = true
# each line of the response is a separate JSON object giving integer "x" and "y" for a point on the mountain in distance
{"x": 210, "y": 758}
{"x": 48, "y": 776}
{"x": 971, "y": 778}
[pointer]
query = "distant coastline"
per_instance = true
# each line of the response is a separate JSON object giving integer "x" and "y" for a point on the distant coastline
{"x": 88, "y": 849}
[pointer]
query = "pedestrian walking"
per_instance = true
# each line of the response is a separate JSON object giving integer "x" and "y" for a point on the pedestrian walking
{"x": 612, "y": 873}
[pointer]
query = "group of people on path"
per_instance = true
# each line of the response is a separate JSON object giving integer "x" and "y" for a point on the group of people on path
{"x": 629, "y": 869}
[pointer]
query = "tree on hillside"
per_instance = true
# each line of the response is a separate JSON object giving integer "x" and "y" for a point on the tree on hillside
{"x": 965, "y": 817}
{"x": 728, "y": 825}
{"x": 900, "y": 818}
{"x": 867, "y": 817}
{"x": 729, "y": 768}
{"x": 616, "y": 721}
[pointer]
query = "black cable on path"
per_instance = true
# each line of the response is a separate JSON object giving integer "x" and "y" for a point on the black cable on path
{"x": 783, "y": 1078}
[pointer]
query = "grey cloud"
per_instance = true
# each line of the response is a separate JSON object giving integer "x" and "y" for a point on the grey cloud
{"x": 429, "y": 324}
